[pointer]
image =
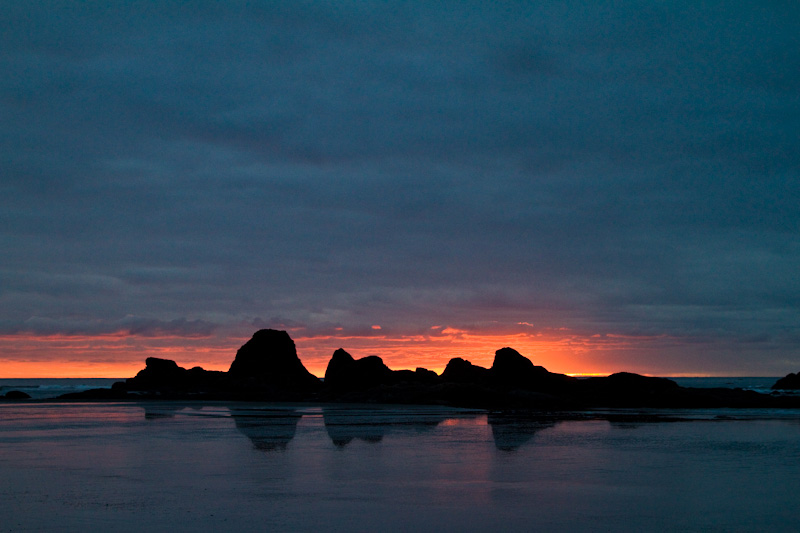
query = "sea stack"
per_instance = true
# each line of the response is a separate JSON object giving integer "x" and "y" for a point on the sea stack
{"x": 511, "y": 368}
{"x": 270, "y": 357}
{"x": 345, "y": 373}
{"x": 460, "y": 370}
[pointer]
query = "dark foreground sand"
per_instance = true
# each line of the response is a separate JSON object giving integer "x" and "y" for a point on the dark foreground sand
{"x": 277, "y": 467}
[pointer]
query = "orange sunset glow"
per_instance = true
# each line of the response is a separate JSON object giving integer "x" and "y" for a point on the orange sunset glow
{"x": 123, "y": 355}
{"x": 101, "y": 356}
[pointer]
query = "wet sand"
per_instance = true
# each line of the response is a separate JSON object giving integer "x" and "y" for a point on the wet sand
{"x": 279, "y": 467}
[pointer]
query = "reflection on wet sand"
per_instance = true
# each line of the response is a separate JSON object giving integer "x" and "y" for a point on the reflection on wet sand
{"x": 346, "y": 424}
{"x": 268, "y": 429}
{"x": 273, "y": 428}
{"x": 512, "y": 431}
{"x": 161, "y": 410}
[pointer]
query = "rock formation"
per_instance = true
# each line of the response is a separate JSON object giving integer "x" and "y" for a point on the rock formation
{"x": 347, "y": 374}
{"x": 166, "y": 376}
{"x": 266, "y": 368}
{"x": 788, "y": 382}
{"x": 510, "y": 370}
{"x": 16, "y": 395}
{"x": 627, "y": 389}
{"x": 513, "y": 370}
{"x": 270, "y": 358}
{"x": 460, "y": 370}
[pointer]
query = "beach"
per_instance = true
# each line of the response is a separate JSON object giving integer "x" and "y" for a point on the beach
{"x": 277, "y": 467}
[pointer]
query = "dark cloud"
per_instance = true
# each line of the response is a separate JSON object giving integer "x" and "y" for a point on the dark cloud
{"x": 625, "y": 169}
{"x": 129, "y": 325}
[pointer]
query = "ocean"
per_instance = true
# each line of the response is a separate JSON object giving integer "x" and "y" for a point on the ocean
{"x": 758, "y": 384}
{"x": 177, "y": 466}
{"x": 44, "y": 388}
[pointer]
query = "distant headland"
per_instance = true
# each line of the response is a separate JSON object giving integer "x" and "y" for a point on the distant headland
{"x": 267, "y": 368}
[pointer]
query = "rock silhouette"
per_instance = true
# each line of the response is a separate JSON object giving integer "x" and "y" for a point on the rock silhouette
{"x": 165, "y": 376}
{"x": 347, "y": 374}
{"x": 16, "y": 395}
{"x": 625, "y": 389}
{"x": 460, "y": 370}
{"x": 512, "y": 368}
{"x": 788, "y": 382}
{"x": 267, "y": 368}
{"x": 270, "y": 358}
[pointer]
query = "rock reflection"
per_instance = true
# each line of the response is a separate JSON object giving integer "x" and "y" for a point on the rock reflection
{"x": 161, "y": 410}
{"x": 268, "y": 429}
{"x": 512, "y": 431}
{"x": 344, "y": 425}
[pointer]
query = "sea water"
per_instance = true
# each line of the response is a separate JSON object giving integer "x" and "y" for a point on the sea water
{"x": 757, "y": 384}
{"x": 163, "y": 466}
{"x": 43, "y": 388}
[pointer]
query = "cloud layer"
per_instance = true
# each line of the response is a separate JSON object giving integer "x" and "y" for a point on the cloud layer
{"x": 629, "y": 170}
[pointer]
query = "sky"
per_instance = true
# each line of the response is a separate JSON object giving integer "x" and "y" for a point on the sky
{"x": 603, "y": 186}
